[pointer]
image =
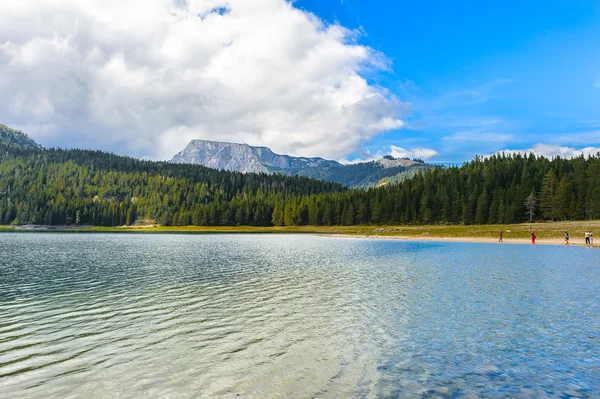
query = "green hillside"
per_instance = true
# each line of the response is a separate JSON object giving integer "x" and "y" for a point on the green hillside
{"x": 16, "y": 139}
{"x": 62, "y": 187}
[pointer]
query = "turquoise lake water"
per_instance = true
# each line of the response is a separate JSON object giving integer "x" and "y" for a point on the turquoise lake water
{"x": 279, "y": 316}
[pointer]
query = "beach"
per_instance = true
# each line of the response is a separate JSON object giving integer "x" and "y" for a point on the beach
{"x": 522, "y": 241}
{"x": 550, "y": 233}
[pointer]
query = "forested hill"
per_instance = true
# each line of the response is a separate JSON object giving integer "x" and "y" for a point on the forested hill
{"x": 57, "y": 187}
{"x": 16, "y": 139}
{"x": 483, "y": 191}
{"x": 39, "y": 186}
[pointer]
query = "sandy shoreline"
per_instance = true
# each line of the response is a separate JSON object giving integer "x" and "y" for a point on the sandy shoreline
{"x": 520, "y": 241}
{"x": 475, "y": 234}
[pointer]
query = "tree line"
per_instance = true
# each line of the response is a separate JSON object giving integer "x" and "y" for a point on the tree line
{"x": 63, "y": 187}
{"x": 483, "y": 191}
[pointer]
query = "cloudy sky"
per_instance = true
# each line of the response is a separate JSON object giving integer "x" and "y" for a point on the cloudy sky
{"x": 345, "y": 80}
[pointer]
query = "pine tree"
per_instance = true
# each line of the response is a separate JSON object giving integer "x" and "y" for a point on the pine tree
{"x": 130, "y": 216}
{"x": 547, "y": 195}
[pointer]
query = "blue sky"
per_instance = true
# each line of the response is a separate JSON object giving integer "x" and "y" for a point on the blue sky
{"x": 483, "y": 76}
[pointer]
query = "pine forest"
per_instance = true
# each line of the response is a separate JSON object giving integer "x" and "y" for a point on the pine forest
{"x": 79, "y": 187}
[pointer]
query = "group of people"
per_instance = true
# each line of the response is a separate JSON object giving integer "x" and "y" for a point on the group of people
{"x": 533, "y": 236}
{"x": 589, "y": 237}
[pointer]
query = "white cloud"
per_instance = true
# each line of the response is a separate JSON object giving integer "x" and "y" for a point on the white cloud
{"x": 396, "y": 152}
{"x": 422, "y": 153}
{"x": 551, "y": 151}
{"x": 146, "y": 76}
{"x": 365, "y": 156}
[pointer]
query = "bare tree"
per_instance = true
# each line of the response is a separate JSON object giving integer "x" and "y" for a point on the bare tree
{"x": 531, "y": 205}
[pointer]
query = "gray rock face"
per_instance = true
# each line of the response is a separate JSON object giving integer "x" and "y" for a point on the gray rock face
{"x": 245, "y": 158}
{"x": 249, "y": 159}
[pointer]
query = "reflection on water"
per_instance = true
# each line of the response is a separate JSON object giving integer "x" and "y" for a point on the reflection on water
{"x": 107, "y": 315}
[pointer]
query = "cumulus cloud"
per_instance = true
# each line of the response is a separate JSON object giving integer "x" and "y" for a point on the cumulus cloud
{"x": 552, "y": 151}
{"x": 396, "y": 152}
{"x": 422, "y": 153}
{"x": 146, "y": 76}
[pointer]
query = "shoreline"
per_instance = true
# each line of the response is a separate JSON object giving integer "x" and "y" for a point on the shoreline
{"x": 479, "y": 240}
{"x": 550, "y": 233}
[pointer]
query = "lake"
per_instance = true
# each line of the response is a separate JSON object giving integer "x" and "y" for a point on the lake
{"x": 277, "y": 316}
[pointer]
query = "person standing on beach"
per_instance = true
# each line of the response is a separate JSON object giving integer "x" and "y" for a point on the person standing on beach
{"x": 567, "y": 238}
{"x": 591, "y": 238}
{"x": 587, "y": 238}
{"x": 533, "y": 237}
{"x": 500, "y": 239}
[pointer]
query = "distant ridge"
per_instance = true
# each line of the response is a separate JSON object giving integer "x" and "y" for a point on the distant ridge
{"x": 17, "y": 139}
{"x": 247, "y": 158}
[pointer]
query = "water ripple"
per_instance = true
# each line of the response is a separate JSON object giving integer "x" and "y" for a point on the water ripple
{"x": 294, "y": 316}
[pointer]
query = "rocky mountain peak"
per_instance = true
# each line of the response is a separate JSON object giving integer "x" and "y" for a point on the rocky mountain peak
{"x": 247, "y": 158}
{"x": 242, "y": 158}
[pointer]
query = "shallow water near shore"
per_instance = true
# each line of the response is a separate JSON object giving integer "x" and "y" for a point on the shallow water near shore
{"x": 185, "y": 316}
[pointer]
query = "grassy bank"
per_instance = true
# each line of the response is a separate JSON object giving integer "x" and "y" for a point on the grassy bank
{"x": 544, "y": 231}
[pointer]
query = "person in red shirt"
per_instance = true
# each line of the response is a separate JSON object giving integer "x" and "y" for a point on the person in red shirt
{"x": 533, "y": 237}
{"x": 500, "y": 239}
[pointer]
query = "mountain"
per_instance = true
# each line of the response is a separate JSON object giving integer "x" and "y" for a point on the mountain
{"x": 246, "y": 158}
{"x": 376, "y": 173}
{"x": 16, "y": 139}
